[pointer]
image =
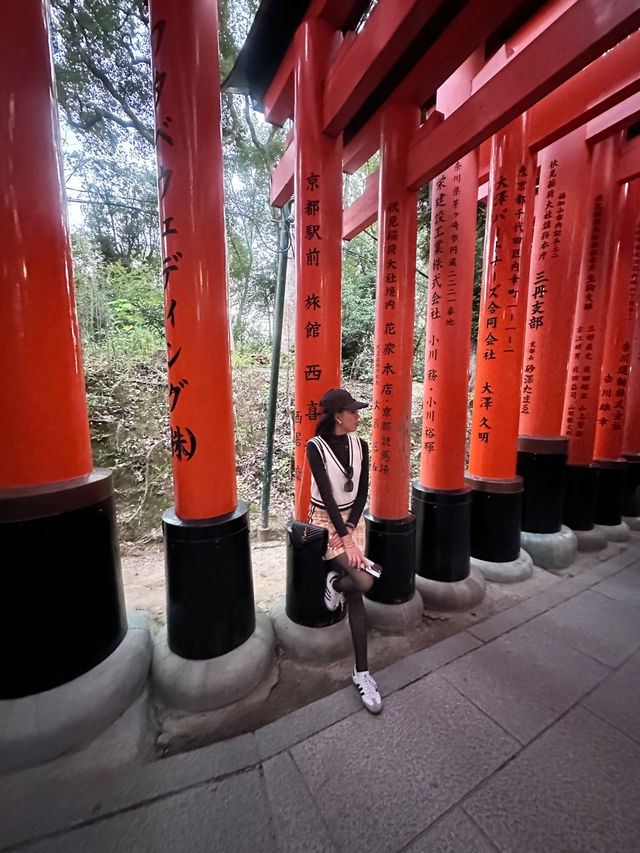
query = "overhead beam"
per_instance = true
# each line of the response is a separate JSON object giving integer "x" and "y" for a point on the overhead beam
{"x": 372, "y": 54}
{"x": 465, "y": 33}
{"x": 278, "y": 99}
{"x": 568, "y": 44}
{"x": 364, "y": 210}
{"x": 617, "y": 118}
{"x": 282, "y": 177}
{"x": 607, "y": 81}
{"x": 628, "y": 166}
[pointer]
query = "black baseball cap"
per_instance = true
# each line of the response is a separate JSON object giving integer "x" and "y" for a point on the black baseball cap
{"x": 338, "y": 399}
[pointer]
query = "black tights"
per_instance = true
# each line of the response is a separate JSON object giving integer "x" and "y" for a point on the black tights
{"x": 353, "y": 583}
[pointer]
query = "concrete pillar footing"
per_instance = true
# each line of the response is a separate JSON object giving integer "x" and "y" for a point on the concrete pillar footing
{"x": 511, "y": 571}
{"x": 591, "y": 540}
{"x": 452, "y": 595}
{"x": 551, "y": 551}
{"x": 311, "y": 645}
{"x": 615, "y": 532}
{"x": 212, "y": 683}
{"x": 394, "y": 618}
{"x": 632, "y": 521}
{"x": 35, "y": 729}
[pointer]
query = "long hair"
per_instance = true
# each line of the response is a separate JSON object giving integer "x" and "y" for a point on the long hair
{"x": 326, "y": 423}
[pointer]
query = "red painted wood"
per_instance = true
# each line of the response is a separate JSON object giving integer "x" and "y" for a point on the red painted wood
{"x": 621, "y": 312}
{"x": 615, "y": 119}
{"x": 553, "y": 282}
{"x": 282, "y": 177}
{"x": 589, "y": 325}
{"x": 278, "y": 102}
{"x": 631, "y": 432}
{"x": 358, "y": 71}
{"x": 628, "y": 166}
{"x": 44, "y": 428}
{"x": 318, "y": 218}
{"x": 503, "y": 306}
{"x": 448, "y": 323}
{"x": 191, "y": 193}
{"x": 605, "y": 82}
{"x": 395, "y": 303}
{"x": 576, "y": 38}
{"x": 474, "y": 22}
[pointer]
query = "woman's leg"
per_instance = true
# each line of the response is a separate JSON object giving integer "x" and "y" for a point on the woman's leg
{"x": 353, "y": 583}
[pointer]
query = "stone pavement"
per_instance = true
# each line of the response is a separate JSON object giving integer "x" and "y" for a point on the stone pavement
{"x": 520, "y": 734}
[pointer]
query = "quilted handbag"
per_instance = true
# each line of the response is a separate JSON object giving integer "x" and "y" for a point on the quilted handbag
{"x": 309, "y": 537}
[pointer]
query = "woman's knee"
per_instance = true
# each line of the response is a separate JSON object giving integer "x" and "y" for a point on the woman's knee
{"x": 363, "y": 580}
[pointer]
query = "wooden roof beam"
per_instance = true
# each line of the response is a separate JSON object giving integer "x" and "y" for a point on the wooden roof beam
{"x": 278, "y": 99}
{"x": 607, "y": 81}
{"x": 628, "y": 166}
{"x": 467, "y": 31}
{"x": 576, "y": 38}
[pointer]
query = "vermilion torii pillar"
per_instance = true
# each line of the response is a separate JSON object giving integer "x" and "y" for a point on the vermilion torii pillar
{"x": 553, "y": 284}
{"x": 318, "y": 233}
{"x": 390, "y": 525}
{"x": 587, "y": 346}
{"x": 497, "y": 490}
{"x": 63, "y": 608}
{"x": 441, "y": 501}
{"x": 318, "y": 247}
{"x": 209, "y": 584}
{"x": 615, "y": 409}
{"x": 631, "y": 433}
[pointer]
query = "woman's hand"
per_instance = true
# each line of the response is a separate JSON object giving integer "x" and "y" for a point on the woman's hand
{"x": 335, "y": 540}
{"x": 354, "y": 554}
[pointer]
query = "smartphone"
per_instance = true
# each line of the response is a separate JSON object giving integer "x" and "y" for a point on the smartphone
{"x": 372, "y": 568}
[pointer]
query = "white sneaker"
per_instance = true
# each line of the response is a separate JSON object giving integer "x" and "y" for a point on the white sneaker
{"x": 332, "y": 598}
{"x": 368, "y": 690}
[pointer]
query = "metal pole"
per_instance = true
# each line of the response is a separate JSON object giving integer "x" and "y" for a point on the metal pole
{"x": 278, "y": 310}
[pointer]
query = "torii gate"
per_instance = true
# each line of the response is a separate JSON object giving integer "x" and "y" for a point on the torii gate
{"x": 427, "y": 88}
{"x": 470, "y": 96}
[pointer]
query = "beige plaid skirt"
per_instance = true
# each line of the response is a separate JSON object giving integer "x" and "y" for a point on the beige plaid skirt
{"x": 321, "y": 518}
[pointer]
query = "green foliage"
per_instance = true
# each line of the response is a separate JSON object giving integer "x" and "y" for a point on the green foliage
{"x": 103, "y": 70}
{"x": 120, "y": 310}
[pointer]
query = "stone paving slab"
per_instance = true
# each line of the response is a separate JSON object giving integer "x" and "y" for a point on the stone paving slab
{"x": 603, "y": 628}
{"x": 231, "y": 816}
{"x": 323, "y": 713}
{"x": 575, "y": 789}
{"x": 381, "y": 781}
{"x": 440, "y": 770}
{"x": 500, "y": 623}
{"x": 525, "y": 680}
{"x": 63, "y": 803}
{"x": 453, "y": 833}
{"x": 624, "y": 586}
{"x": 298, "y": 725}
{"x": 297, "y": 822}
{"x": 421, "y": 663}
{"x": 617, "y": 700}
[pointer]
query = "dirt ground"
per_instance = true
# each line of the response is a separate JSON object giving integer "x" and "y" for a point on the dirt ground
{"x": 144, "y": 584}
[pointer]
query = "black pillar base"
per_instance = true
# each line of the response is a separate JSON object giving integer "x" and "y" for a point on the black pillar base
{"x": 631, "y": 499}
{"x": 541, "y": 464}
{"x": 62, "y": 610}
{"x": 210, "y": 605}
{"x": 580, "y": 497}
{"x": 443, "y": 532}
{"x": 306, "y": 575}
{"x": 392, "y": 544}
{"x": 610, "y": 486}
{"x": 496, "y": 513}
